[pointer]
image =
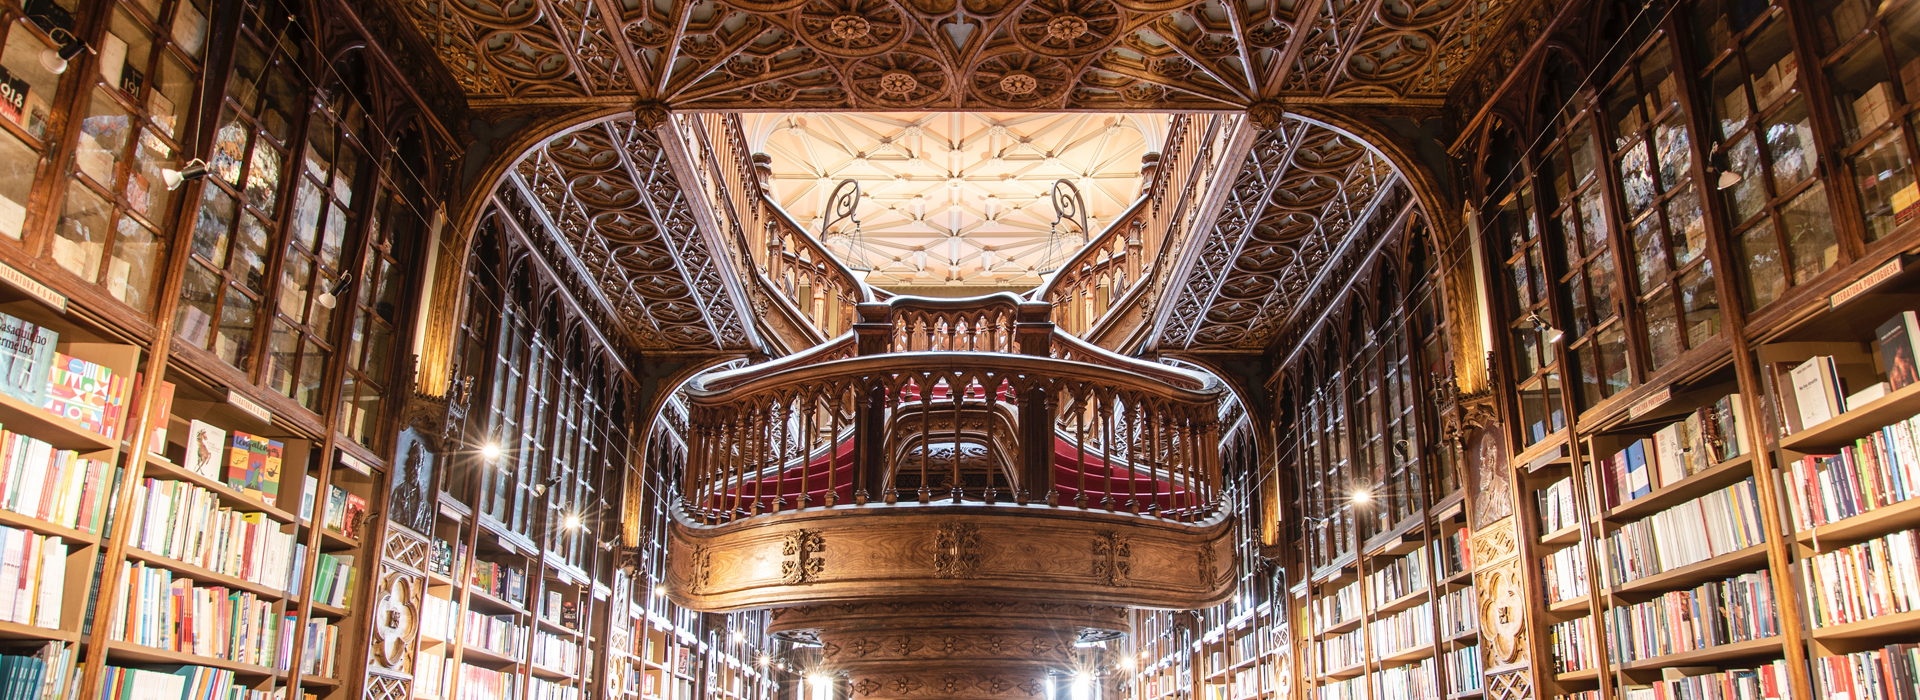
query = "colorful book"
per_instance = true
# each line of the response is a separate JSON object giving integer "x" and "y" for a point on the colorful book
{"x": 205, "y": 445}
{"x": 85, "y": 393}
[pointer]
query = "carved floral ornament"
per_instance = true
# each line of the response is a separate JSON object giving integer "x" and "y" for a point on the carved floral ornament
{"x": 1077, "y": 54}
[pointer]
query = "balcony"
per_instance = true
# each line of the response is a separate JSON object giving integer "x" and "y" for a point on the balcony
{"x": 952, "y": 448}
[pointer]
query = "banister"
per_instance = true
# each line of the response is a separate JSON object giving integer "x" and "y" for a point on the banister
{"x": 1114, "y": 227}
{"x": 793, "y": 227}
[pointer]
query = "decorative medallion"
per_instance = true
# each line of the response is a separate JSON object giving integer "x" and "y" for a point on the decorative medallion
{"x": 954, "y": 553}
{"x": 802, "y": 545}
{"x": 1111, "y": 553}
{"x": 1020, "y": 83}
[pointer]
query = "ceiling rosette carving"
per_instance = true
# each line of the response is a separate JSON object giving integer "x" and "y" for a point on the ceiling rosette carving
{"x": 948, "y": 54}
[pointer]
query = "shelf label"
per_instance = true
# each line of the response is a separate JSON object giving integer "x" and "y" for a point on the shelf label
{"x": 354, "y": 463}
{"x": 247, "y": 406}
{"x": 1860, "y": 286}
{"x": 507, "y": 544}
{"x": 34, "y": 288}
{"x": 1652, "y": 401}
{"x": 451, "y": 512}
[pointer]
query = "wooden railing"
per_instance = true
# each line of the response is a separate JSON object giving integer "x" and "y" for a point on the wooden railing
{"x": 809, "y": 283}
{"x": 812, "y": 279}
{"x": 1112, "y": 270}
{"x": 953, "y": 401}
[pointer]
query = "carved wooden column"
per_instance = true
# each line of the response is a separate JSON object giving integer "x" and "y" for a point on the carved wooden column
{"x": 394, "y": 625}
{"x": 874, "y": 330}
{"x": 1499, "y": 576}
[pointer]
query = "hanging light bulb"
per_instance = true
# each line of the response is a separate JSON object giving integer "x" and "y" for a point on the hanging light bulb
{"x": 331, "y": 296}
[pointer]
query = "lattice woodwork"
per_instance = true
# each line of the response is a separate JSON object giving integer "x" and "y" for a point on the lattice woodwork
{"x": 941, "y": 54}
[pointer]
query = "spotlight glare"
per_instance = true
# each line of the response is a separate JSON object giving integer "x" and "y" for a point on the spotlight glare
{"x": 490, "y": 451}
{"x": 1361, "y": 497}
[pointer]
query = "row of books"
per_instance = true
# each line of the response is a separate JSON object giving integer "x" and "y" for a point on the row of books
{"x": 1708, "y": 436}
{"x": 333, "y": 580}
{"x": 1719, "y": 523}
{"x": 1408, "y": 629}
{"x": 1767, "y": 682}
{"x": 1879, "y": 470}
{"x": 500, "y": 635}
{"x": 556, "y": 652}
{"x": 1340, "y": 606}
{"x": 184, "y": 522}
{"x": 182, "y": 683}
{"x": 433, "y": 675}
{"x": 1346, "y": 689}
{"x": 157, "y": 610}
{"x": 33, "y": 577}
{"x": 1463, "y": 669}
{"x": 1739, "y": 609}
{"x": 1558, "y": 509}
{"x": 1867, "y": 580}
{"x": 478, "y": 683}
{"x": 543, "y": 689}
{"x": 322, "y": 649}
{"x": 58, "y": 486}
{"x": 1459, "y": 612}
{"x": 1887, "y": 673}
{"x": 1342, "y": 650}
{"x": 437, "y": 618}
{"x": 1451, "y": 555}
{"x": 501, "y": 581}
{"x": 1410, "y": 681}
{"x": 1564, "y": 573}
{"x": 47, "y": 673}
{"x": 1573, "y": 647}
{"x": 1399, "y": 577}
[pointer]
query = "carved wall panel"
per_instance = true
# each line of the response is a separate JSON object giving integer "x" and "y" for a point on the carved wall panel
{"x": 393, "y": 627}
{"x": 1013, "y": 554}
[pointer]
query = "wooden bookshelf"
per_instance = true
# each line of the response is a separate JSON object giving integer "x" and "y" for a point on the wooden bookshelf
{"x": 1856, "y": 423}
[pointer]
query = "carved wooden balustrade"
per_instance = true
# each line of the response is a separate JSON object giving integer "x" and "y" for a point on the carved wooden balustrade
{"x": 1112, "y": 269}
{"x": 808, "y": 284}
{"x": 953, "y": 401}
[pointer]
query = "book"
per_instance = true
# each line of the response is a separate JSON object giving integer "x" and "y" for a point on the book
{"x": 1730, "y": 428}
{"x": 1669, "y": 454}
{"x": 1895, "y": 339}
{"x": 1816, "y": 390}
{"x": 253, "y": 466}
{"x": 27, "y": 355}
{"x": 206, "y": 444}
{"x": 1872, "y": 393}
{"x": 308, "y": 492}
{"x": 354, "y": 514}
{"x": 85, "y": 393}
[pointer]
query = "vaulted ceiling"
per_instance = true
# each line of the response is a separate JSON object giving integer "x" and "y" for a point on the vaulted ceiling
{"x": 955, "y": 199}
{"x": 1290, "y": 216}
{"x": 873, "y": 55}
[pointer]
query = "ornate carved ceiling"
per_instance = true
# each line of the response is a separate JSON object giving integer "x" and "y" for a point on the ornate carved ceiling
{"x": 955, "y": 198}
{"x": 627, "y": 235}
{"x": 1309, "y": 199}
{"x": 874, "y": 55}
